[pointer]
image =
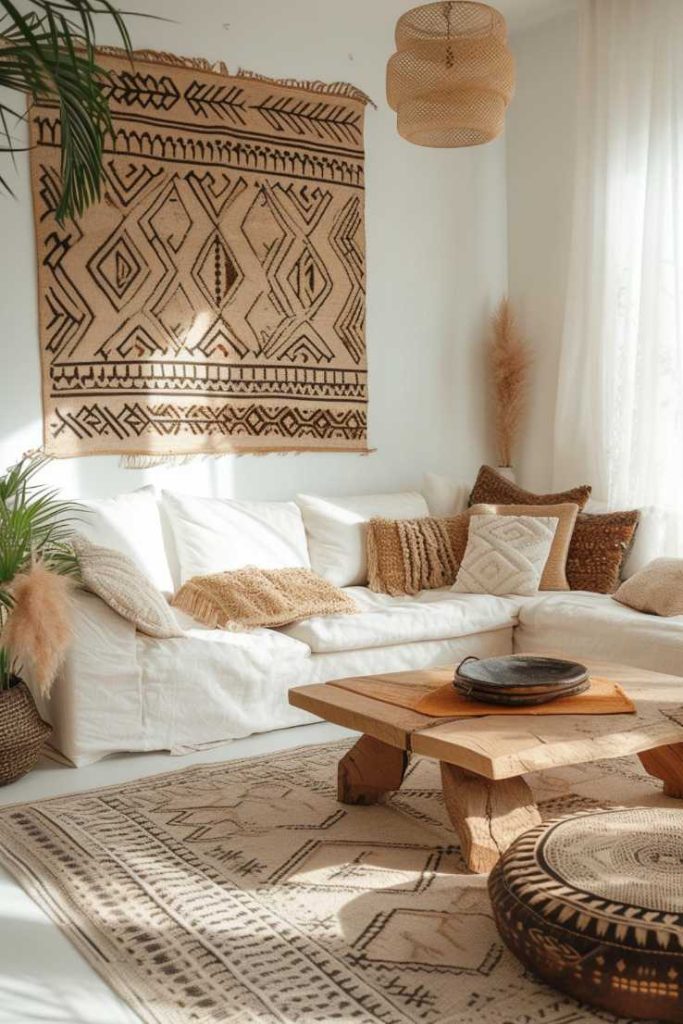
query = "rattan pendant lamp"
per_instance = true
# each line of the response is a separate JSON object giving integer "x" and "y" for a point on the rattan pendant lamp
{"x": 453, "y": 74}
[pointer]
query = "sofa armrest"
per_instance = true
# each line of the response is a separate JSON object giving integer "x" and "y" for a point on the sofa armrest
{"x": 98, "y": 691}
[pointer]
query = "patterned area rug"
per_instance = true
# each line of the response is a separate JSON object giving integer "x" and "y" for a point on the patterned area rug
{"x": 215, "y": 299}
{"x": 243, "y": 893}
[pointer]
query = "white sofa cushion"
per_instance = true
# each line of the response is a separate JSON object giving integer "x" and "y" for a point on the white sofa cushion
{"x": 385, "y": 620}
{"x": 583, "y": 625}
{"x": 336, "y": 529}
{"x": 221, "y": 534}
{"x": 131, "y": 524}
{"x": 445, "y": 497}
{"x": 322, "y": 668}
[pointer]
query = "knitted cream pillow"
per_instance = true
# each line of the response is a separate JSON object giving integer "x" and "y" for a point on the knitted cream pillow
{"x": 118, "y": 582}
{"x": 250, "y": 598}
{"x": 505, "y": 554}
{"x": 657, "y": 589}
{"x": 554, "y": 575}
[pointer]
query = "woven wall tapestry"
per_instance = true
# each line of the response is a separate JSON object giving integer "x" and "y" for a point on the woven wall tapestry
{"x": 214, "y": 300}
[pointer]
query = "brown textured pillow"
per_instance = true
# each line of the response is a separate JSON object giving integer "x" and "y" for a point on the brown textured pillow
{"x": 598, "y": 549}
{"x": 248, "y": 598}
{"x": 554, "y": 575}
{"x": 490, "y": 488}
{"x": 409, "y": 555}
{"x": 657, "y": 589}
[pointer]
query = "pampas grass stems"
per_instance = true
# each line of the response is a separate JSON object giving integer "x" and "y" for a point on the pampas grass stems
{"x": 510, "y": 361}
{"x": 38, "y": 631}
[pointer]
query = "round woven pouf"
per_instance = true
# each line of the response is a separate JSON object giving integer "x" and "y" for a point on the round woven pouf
{"x": 593, "y": 903}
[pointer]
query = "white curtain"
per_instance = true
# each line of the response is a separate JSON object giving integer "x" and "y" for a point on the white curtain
{"x": 620, "y": 399}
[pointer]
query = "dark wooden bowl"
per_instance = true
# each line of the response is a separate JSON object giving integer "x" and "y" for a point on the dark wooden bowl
{"x": 520, "y": 679}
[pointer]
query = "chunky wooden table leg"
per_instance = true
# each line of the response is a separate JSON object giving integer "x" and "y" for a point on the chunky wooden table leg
{"x": 369, "y": 771}
{"x": 666, "y": 763}
{"x": 488, "y": 815}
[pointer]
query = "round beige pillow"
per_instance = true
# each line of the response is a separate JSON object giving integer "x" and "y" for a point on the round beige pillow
{"x": 657, "y": 589}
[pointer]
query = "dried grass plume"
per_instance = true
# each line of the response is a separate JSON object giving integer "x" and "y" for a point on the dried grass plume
{"x": 38, "y": 631}
{"x": 510, "y": 362}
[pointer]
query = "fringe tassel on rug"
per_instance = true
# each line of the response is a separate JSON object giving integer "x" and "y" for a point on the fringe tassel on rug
{"x": 219, "y": 67}
{"x": 169, "y": 461}
{"x": 170, "y": 59}
{"x": 150, "y": 461}
{"x": 329, "y": 88}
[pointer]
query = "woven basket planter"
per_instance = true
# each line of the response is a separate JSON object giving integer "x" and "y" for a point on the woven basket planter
{"x": 22, "y": 732}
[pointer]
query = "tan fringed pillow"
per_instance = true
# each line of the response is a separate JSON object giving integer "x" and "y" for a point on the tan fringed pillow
{"x": 248, "y": 598}
{"x": 409, "y": 555}
{"x": 657, "y": 589}
{"x": 598, "y": 550}
{"x": 491, "y": 488}
{"x": 554, "y": 575}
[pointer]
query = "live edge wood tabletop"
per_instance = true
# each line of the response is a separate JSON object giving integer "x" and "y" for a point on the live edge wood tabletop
{"x": 483, "y": 759}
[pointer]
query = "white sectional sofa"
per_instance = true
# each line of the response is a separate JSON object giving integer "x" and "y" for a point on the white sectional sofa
{"x": 123, "y": 691}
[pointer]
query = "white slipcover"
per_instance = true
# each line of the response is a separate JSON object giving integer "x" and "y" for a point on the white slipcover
{"x": 383, "y": 620}
{"x": 582, "y": 625}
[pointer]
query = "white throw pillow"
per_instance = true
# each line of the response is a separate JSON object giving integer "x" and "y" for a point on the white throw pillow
{"x": 505, "y": 554}
{"x": 221, "y": 534}
{"x": 131, "y": 524}
{"x": 445, "y": 497}
{"x": 337, "y": 528}
{"x": 118, "y": 582}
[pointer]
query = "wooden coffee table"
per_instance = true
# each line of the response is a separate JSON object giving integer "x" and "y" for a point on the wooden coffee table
{"x": 483, "y": 759}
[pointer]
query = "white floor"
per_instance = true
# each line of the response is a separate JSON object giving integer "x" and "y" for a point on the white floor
{"x": 42, "y": 977}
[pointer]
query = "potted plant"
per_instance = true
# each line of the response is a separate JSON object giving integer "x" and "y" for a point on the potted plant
{"x": 36, "y": 570}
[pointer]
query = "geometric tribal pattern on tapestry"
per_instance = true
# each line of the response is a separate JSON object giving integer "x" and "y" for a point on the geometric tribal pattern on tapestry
{"x": 214, "y": 300}
{"x": 244, "y": 893}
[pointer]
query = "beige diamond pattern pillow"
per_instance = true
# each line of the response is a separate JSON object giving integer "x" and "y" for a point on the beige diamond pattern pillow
{"x": 505, "y": 554}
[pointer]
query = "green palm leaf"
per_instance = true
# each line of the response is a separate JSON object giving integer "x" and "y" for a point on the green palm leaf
{"x": 48, "y": 54}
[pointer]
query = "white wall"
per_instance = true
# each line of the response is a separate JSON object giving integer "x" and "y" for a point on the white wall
{"x": 540, "y": 143}
{"x": 436, "y": 243}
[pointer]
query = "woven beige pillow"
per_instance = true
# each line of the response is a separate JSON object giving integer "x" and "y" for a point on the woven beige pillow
{"x": 554, "y": 575}
{"x": 406, "y": 556}
{"x": 118, "y": 582}
{"x": 657, "y": 589}
{"x": 248, "y": 598}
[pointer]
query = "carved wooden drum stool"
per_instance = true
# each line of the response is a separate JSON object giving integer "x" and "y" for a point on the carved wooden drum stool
{"x": 593, "y": 903}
